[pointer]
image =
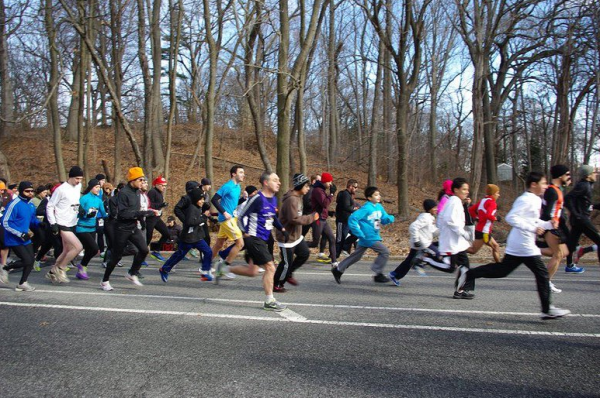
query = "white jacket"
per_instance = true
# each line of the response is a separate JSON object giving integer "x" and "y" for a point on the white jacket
{"x": 524, "y": 217}
{"x": 423, "y": 230}
{"x": 63, "y": 206}
{"x": 453, "y": 236}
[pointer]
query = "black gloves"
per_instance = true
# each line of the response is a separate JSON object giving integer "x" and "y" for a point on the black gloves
{"x": 54, "y": 229}
{"x": 162, "y": 205}
{"x": 332, "y": 189}
{"x": 417, "y": 244}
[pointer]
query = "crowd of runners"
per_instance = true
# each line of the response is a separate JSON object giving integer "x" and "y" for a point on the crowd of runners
{"x": 77, "y": 221}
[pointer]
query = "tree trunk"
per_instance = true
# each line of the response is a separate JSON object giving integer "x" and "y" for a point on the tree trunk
{"x": 7, "y": 111}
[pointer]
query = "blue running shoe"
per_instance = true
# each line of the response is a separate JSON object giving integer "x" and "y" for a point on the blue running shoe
{"x": 157, "y": 256}
{"x": 164, "y": 275}
{"x": 574, "y": 269}
{"x": 144, "y": 263}
{"x": 392, "y": 276}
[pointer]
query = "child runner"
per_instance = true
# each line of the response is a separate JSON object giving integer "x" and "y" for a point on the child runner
{"x": 485, "y": 213}
{"x": 365, "y": 224}
{"x": 192, "y": 235}
{"x": 524, "y": 218}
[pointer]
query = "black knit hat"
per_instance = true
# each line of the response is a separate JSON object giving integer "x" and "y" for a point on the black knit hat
{"x": 75, "y": 171}
{"x": 205, "y": 181}
{"x": 100, "y": 177}
{"x": 558, "y": 170}
{"x": 429, "y": 204}
{"x": 299, "y": 181}
{"x": 190, "y": 185}
{"x": 250, "y": 189}
{"x": 25, "y": 185}
{"x": 196, "y": 195}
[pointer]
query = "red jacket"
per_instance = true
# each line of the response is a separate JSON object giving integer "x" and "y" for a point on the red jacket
{"x": 485, "y": 212}
{"x": 320, "y": 200}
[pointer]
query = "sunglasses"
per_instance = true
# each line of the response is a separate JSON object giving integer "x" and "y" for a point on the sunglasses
{"x": 28, "y": 190}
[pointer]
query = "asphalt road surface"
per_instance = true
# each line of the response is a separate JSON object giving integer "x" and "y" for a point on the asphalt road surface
{"x": 189, "y": 338}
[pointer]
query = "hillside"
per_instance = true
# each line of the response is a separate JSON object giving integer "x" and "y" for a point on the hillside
{"x": 31, "y": 158}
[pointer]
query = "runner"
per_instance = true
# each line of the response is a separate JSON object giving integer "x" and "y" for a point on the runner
{"x": 524, "y": 218}
{"x": 552, "y": 210}
{"x": 261, "y": 212}
{"x": 365, "y": 224}
{"x": 157, "y": 202}
{"x": 225, "y": 201}
{"x": 485, "y": 213}
{"x": 17, "y": 220}
{"x": 579, "y": 203}
{"x": 344, "y": 207}
{"x": 293, "y": 243}
{"x": 62, "y": 211}
{"x": 127, "y": 227}
{"x": 91, "y": 209}
{"x": 320, "y": 201}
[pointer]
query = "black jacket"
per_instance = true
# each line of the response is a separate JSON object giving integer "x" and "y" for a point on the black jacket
{"x": 579, "y": 201}
{"x": 128, "y": 207}
{"x": 344, "y": 206}
{"x": 193, "y": 224}
{"x": 157, "y": 201}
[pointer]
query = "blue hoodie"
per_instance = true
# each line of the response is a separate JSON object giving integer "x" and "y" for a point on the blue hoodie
{"x": 365, "y": 223}
{"x": 87, "y": 202}
{"x": 17, "y": 219}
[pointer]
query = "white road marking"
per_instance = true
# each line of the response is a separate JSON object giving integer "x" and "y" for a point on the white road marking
{"x": 307, "y": 321}
{"x": 292, "y": 316}
{"x": 315, "y": 305}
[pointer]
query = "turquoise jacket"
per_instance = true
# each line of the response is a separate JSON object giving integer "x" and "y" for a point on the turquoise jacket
{"x": 366, "y": 222}
{"x": 89, "y": 202}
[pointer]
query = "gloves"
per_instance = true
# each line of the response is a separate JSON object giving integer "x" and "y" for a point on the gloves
{"x": 92, "y": 212}
{"x": 24, "y": 236}
{"x": 162, "y": 205}
{"x": 54, "y": 229}
{"x": 417, "y": 244}
{"x": 332, "y": 189}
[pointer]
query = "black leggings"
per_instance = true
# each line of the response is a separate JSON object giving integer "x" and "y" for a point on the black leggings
{"x": 25, "y": 261}
{"x": 578, "y": 228}
{"x": 90, "y": 246}
{"x": 122, "y": 235}
{"x": 157, "y": 223}
{"x": 509, "y": 264}
{"x": 50, "y": 241}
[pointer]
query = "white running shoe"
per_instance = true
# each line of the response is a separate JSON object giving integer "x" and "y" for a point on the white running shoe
{"x": 554, "y": 313}
{"x": 554, "y": 289}
{"x": 24, "y": 287}
{"x": 344, "y": 253}
{"x": 106, "y": 286}
{"x": 3, "y": 276}
{"x": 133, "y": 279}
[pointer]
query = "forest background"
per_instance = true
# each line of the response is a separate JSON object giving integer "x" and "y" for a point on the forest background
{"x": 399, "y": 94}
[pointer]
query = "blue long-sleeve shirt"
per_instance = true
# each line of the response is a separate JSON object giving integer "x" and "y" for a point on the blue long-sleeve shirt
{"x": 366, "y": 222}
{"x": 17, "y": 219}
{"x": 88, "y": 202}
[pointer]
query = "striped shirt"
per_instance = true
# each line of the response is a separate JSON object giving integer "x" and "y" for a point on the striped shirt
{"x": 259, "y": 216}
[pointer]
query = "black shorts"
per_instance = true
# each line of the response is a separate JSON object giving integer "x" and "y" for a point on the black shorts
{"x": 562, "y": 236}
{"x": 484, "y": 236}
{"x": 258, "y": 250}
{"x": 68, "y": 229}
{"x": 2, "y": 237}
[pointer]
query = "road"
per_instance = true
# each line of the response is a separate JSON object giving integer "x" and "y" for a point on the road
{"x": 189, "y": 338}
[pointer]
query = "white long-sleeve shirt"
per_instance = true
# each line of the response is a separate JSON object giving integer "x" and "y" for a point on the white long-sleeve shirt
{"x": 524, "y": 218}
{"x": 423, "y": 230}
{"x": 453, "y": 236}
{"x": 63, "y": 206}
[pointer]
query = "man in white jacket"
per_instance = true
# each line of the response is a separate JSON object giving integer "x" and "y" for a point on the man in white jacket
{"x": 524, "y": 218}
{"x": 62, "y": 212}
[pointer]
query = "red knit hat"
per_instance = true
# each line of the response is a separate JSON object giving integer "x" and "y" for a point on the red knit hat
{"x": 326, "y": 177}
{"x": 159, "y": 180}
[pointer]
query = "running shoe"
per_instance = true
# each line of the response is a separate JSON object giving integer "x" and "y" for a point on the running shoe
{"x": 3, "y": 276}
{"x": 292, "y": 281}
{"x": 194, "y": 253}
{"x": 554, "y": 313}
{"x": 81, "y": 274}
{"x": 337, "y": 274}
{"x": 380, "y": 278}
{"x": 143, "y": 264}
{"x": 574, "y": 269}
{"x": 463, "y": 295}
{"x": 554, "y": 289}
{"x": 164, "y": 275}
{"x": 279, "y": 289}
{"x": 104, "y": 265}
{"x": 323, "y": 259}
{"x": 274, "y": 305}
{"x": 133, "y": 279}
{"x": 392, "y": 276}
{"x": 344, "y": 253}
{"x": 219, "y": 270}
{"x": 206, "y": 277}
{"x": 24, "y": 287}
{"x": 106, "y": 286}
{"x": 36, "y": 266}
{"x": 62, "y": 276}
{"x": 51, "y": 276}
{"x": 157, "y": 256}
{"x": 420, "y": 270}
{"x": 578, "y": 254}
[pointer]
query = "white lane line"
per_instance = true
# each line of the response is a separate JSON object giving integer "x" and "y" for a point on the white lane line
{"x": 292, "y": 316}
{"x": 315, "y": 305}
{"x": 307, "y": 321}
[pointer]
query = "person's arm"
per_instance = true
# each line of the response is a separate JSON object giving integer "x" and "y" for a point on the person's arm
{"x": 490, "y": 210}
{"x": 9, "y": 224}
{"x": 179, "y": 209}
{"x": 253, "y": 205}
{"x": 353, "y": 222}
{"x": 516, "y": 217}
{"x": 52, "y": 202}
{"x": 452, "y": 216}
{"x": 216, "y": 202}
{"x": 386, "y": 218}
{"x": 346, "y": 203}
{"x": 550, "y": 198}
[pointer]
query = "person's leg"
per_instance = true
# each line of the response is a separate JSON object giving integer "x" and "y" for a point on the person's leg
{"x": 45, "y": 247}
{"x": 71, "y": 248}
{"x": 557, "y": 253}
{"x": 150, "y": 224}
{"x": 139, "y": 241}
{"x": 90, "y": 246}
{"x": 402, "y": 269}
{"x": 120, "y": 239}
{"x": 301, "y": 255}
{"x": 323, "y": 242}
{"x": 100, "y": 238}
{"x": 340, "y": 237}
{"x": 26, "y": 259}
{"x": 317, "y": 230}
{"x": 573, "y": 241}
{"x": 182, "y": 249}
{"x": 267, "y": 279}
{"x": 477, "y": 243}
{"x": 383, "y": 254}
{"x": 224, "y": 253}
{"x": 536, "y": 265}
{"x": 287, "y": 255}
{"x": 495, "y": 249}
{"x": 591, "y": 232}
{"x": 331, "y": 239}
{"x": 204, "y": 248}
{"x": 492, "y": 270}
{"x": 352, "y": 258}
